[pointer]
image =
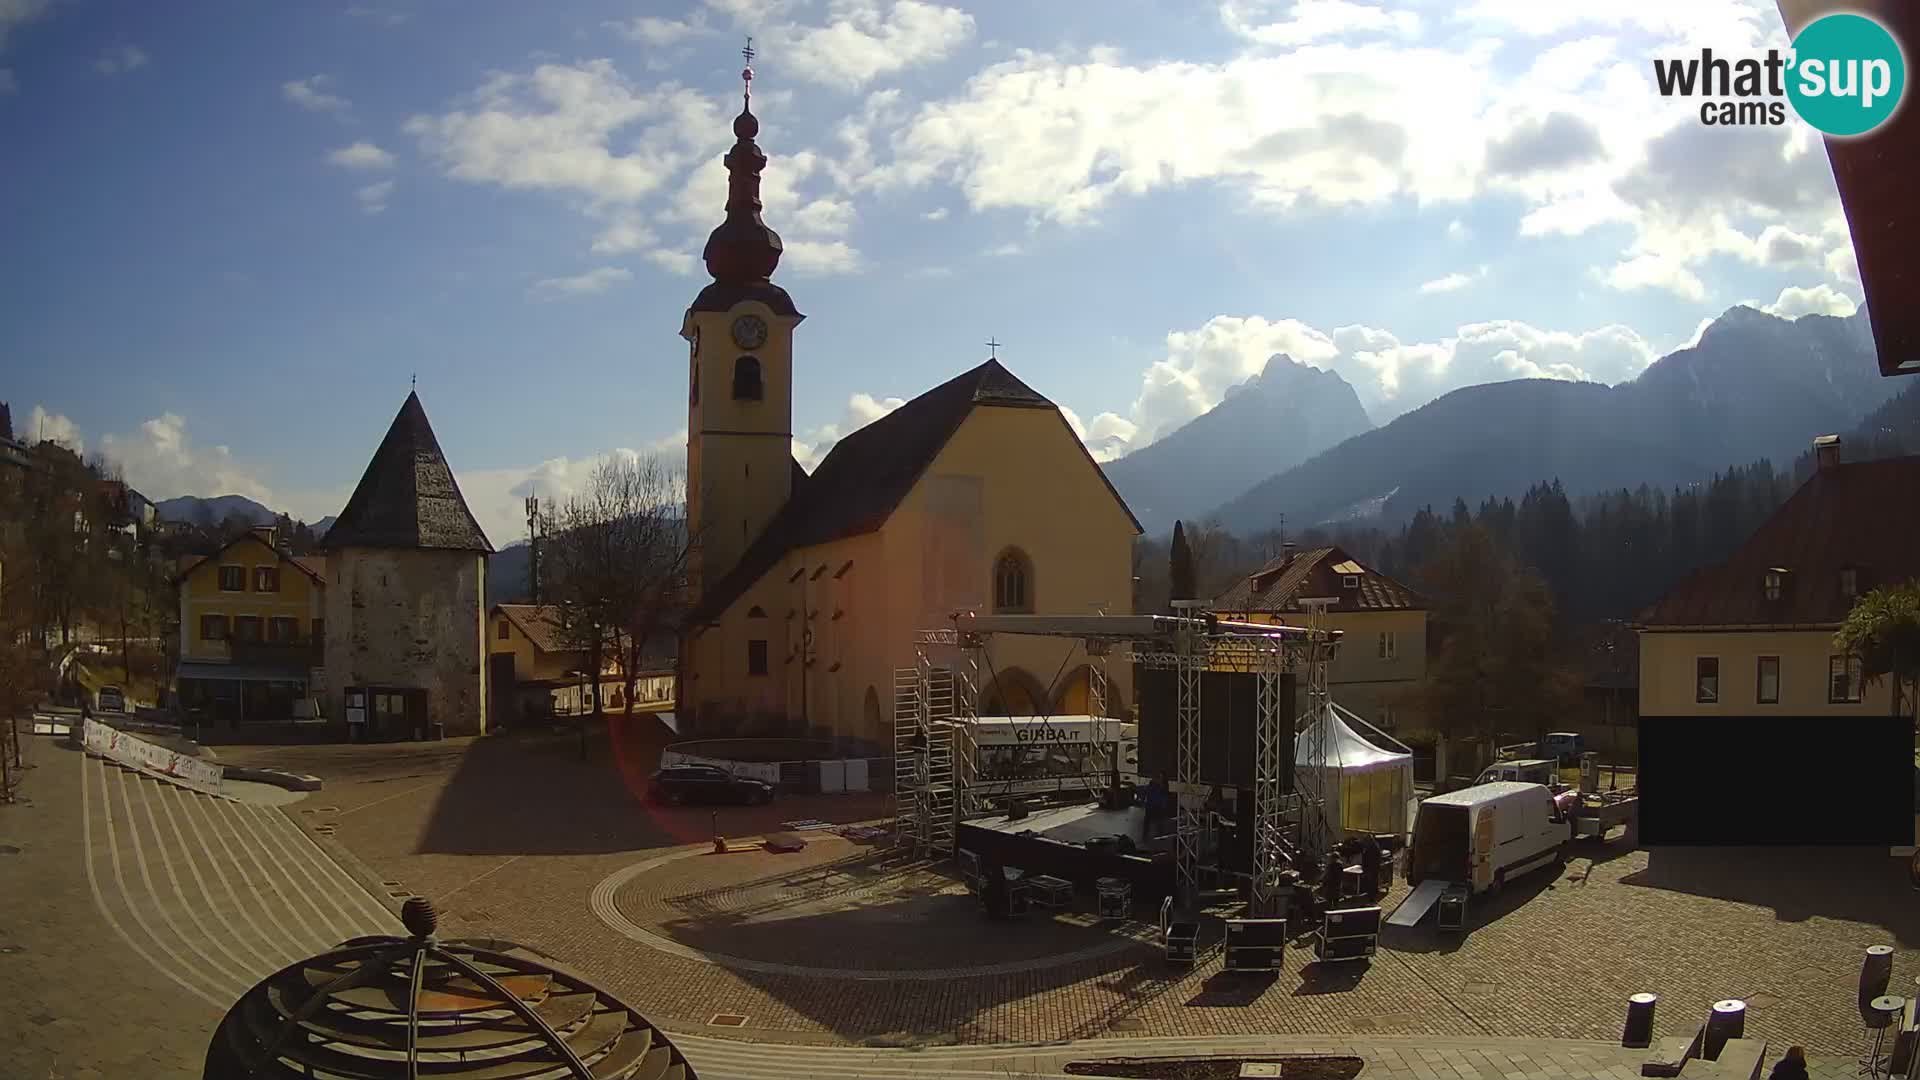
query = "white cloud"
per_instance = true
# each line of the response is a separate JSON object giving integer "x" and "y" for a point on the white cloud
{"x": 675, "y": 262}
{"x": 938, "y": 213}
{"x": 652, "y": 30}
{"x": 999, "y": 251}
{"x": 626, "y": 234}
{"x": 161, "y": 461}
{"x": 1795, "y": 301}
{"x": 1652, "y": 271}
{"x": 1457, "y": 230}
{"x": 383, "y": 16}
{"x": 373, "y": 197}
{"x": 1453, "y": 282}
{"x": 120, "y": 59}
{"x": 1312, "y": 20}
{"x": 554, "y": 128}
{"x": 810, "y": 447}
{"x": 860, "y": 41}
{"x": 16, "y": 13}
{"x": 497, "y": 497}
{"x": 52, "y": 427}
{"x": 598, "y": 280}
{"x": 311, "y": 94}
{"x": 1390, "y": 376}
{"x": 361, "y": 155}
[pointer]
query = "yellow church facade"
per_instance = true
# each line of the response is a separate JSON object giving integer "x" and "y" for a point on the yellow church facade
{"x": 808, "y": 588}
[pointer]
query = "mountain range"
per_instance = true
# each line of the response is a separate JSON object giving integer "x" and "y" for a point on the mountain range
{"x": 210, "y": 511}
{"x": 1277, "y": 419}
{"x": 1753, "y": 386}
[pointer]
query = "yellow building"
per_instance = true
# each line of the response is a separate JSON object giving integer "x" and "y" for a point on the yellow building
{"x": 976, "y": 495}
{"x": 1751, "y": 640}
{"x": 1382, "y": 659}
{"x": 533, "y": 670}
{"x": 252, "y": 620}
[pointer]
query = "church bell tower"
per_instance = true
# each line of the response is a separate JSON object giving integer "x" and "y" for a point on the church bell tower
{"x": 739, "y": 332}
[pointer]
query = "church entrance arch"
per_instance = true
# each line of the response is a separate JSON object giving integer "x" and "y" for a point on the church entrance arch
{"x": 1075, "y": 696}
{"x": 1011, "y": 691}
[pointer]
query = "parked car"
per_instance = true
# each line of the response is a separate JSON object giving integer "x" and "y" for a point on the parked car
{"x": 110, "y": 699}
{"x": 679, "y": 784}
{"x": 1562, "y": 746}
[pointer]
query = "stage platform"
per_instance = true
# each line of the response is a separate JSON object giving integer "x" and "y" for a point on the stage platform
{"x": 1075, "y": 824}
{"x": 1054, "y": 842}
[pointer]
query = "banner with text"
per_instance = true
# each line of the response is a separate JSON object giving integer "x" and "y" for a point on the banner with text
{"x": 139, "y": 754}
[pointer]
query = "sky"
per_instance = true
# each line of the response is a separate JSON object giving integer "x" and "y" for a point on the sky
{"x": 238, "y": 233}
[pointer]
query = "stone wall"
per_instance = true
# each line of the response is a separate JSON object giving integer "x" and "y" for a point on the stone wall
{"x": 406, "y": 618}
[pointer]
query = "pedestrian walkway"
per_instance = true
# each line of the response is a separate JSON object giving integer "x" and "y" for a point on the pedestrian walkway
{"x": 1386, "y": 1058}
{"x": 217, "y": 893}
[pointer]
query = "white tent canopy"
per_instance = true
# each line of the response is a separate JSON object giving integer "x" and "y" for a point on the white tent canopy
{"x": 1368, "y": 788}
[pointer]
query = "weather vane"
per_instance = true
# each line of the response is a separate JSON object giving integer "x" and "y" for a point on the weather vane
{"x": 993, "y": 348}
{"x": 413, "y": 381}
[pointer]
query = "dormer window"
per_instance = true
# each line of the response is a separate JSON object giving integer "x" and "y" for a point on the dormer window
{"x": 1773, "y": 582}
{"x": 1350, "y": 581}
{"x": 746, "y": 379}
{"x": 1849, "y": 582}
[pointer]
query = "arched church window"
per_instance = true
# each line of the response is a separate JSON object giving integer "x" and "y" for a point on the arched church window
{"x": 746, "y": 379}
{"x": 756, "y": 612}
{"x": 1013, "y": 582}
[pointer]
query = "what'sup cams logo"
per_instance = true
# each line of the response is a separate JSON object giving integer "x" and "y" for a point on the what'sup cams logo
{"x": 1845, "y": 75}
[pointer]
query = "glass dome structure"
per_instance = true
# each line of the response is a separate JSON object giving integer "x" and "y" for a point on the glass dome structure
{"x": 401, "y": 1008}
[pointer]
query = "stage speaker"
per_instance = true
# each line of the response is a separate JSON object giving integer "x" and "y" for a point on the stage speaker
{"x": 1346, "y": 922}
{"x": 1344, "y": 948}
{"x": 1256, "y": 957}
{"x": 1876, "y": 971}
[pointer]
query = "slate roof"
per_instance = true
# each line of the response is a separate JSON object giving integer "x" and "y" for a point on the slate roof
{"x": 1863, "y": 515}
{"x": 1281, "y": 584}
{"x": 408, "y": 498}
{"x": 868, "y": 473}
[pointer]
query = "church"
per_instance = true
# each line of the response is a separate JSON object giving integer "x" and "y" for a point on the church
{"x": 807, "y": 588}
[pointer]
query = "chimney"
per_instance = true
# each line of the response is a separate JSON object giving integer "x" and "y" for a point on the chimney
{"x": 1286, "y": 552}
{"x": 6, "y": 422}
{"x": 1826, "y": 452}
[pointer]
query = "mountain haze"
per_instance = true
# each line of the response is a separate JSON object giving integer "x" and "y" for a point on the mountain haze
{"x": 1273, "y": 421}
{"x": 195, "y": 510}
{"x": 1754, "y": 386}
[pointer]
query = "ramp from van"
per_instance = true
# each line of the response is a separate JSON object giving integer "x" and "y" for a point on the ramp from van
{"x": 1418, "y": 903}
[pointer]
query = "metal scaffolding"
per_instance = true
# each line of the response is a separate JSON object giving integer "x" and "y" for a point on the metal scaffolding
{"x": 1191, "y": 643}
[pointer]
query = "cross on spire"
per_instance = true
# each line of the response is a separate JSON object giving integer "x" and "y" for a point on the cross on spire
{"x": 993, "y": 348}
{"x": 746, "y": 73}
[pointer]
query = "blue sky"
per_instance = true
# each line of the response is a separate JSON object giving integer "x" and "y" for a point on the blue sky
{"x": 237, "y": 230}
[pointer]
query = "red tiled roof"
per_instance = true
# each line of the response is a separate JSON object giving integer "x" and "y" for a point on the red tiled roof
{"x": 1864, "y": 516}
{"x": 540, "y": 623}
{"x": 313, "y": 566}
{"x": 1317, "y": 572}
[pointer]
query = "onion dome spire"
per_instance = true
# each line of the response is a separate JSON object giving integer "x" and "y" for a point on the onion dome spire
{"x": 743, "y": 250}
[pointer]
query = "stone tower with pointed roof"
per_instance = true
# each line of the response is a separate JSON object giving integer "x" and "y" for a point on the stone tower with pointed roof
{"x": 406, "y": 576}
{"x": 807, "y": 588}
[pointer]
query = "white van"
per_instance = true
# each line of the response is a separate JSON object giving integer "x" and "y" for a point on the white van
{"x": 1486, "y": 835}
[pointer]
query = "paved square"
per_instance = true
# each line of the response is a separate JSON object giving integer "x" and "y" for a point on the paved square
{"x": 512, "y": 837}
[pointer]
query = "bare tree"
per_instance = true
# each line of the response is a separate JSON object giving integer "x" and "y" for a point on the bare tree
{"x": 616, "y": 563}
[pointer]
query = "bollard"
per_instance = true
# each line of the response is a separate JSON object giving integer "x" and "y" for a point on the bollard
{"x": 1639, "y": 1030}
{"x": 1728, "y": 1020}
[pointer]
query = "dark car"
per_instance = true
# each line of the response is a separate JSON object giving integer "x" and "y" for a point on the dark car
{"x": 678, "y": 784}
